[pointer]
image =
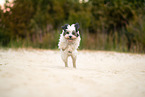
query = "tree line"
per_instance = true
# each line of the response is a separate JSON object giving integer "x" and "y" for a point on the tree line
{"x": 104, "y": 24}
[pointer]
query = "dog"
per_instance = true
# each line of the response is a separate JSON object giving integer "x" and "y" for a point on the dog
{"x": 69, "y": 42}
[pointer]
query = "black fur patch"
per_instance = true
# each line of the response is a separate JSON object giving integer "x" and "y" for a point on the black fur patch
{"x": 77, "y": 35}
{"x": 64, "y": 28}
{"x": 77, "y": 26}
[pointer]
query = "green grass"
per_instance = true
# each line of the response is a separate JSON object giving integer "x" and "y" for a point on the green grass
{"x": 88, "y": 42}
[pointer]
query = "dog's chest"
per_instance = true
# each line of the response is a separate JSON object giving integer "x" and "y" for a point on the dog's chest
{"x": 70, "y": 46}
{"x": 69, "y": 49}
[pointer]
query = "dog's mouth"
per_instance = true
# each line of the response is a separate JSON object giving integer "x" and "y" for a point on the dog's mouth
{"x": 70, "y": 39}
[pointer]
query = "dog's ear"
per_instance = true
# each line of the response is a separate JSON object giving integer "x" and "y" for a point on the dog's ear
{"x": 78, "y": 34}
{"x": 64, "y": 27}
{"x": 77, "y": 27}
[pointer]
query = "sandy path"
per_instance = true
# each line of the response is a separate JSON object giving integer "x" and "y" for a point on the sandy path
{"x": 41, "y": 73}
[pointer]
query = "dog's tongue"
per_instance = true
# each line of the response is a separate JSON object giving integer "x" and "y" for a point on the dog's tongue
{"x": 70, "y": 40}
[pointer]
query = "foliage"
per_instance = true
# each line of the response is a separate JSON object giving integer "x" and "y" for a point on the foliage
{"x": 104, "y": 24}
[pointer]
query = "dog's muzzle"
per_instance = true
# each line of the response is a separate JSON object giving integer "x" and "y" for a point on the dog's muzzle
{"x": 70, "y": 39}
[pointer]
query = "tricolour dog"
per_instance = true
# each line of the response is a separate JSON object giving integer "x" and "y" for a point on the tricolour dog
{"x": 69, "y": 42}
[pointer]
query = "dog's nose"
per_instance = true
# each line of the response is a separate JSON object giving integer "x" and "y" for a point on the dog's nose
{"x": 70, "y": 36}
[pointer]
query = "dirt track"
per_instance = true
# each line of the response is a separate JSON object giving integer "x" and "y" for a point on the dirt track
{"x": 41, "y": 73}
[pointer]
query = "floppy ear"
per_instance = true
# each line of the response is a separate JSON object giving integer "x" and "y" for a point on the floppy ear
{"x": 77, "y": 27}
{"x": 64, "y": 27}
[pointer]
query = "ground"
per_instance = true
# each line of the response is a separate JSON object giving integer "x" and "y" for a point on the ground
{"x": 41, "y": 73}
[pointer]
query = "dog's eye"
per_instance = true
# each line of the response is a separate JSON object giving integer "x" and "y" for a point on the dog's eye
{"x": 73, "y": 33}
{"x": 67, "y": 32}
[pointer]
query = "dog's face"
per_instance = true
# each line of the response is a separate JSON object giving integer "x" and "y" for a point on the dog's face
{"x": 70, "y": 32}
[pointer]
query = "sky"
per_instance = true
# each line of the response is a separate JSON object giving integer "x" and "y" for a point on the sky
{"x": 2, "y": 2}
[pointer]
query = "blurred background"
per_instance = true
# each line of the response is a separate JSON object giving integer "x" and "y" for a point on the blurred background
{"x": 116, "y": 25}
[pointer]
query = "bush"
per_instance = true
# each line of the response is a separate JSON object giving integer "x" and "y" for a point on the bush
{"x": 104, "y": 24}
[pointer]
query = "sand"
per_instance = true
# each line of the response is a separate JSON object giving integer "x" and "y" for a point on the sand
{"x": 41, "y": 73}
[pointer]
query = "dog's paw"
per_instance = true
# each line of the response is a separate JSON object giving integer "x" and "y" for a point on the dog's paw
{"x": 63, "y": 48}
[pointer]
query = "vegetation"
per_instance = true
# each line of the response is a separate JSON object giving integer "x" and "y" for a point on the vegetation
{"x": 104, "y": 24}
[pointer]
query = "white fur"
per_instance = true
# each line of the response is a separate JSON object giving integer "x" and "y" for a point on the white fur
{"x": 71, "y": 28}
{"x": 68, "y": 48}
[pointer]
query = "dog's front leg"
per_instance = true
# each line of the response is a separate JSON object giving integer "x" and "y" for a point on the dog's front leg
{"x": 62, "y": 45}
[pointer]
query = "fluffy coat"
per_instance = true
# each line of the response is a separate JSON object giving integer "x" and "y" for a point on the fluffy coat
{"x": 69, "y": 48}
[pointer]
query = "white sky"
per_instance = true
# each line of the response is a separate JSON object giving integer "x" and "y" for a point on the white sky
{"x": 2, "y": 2}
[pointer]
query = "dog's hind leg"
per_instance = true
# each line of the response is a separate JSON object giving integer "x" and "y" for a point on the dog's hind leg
{"x": 65, "y": 60}
{"x": 66, "y": 65}
{"x": 74, "y": 61}
{"x": 74, "y": 57}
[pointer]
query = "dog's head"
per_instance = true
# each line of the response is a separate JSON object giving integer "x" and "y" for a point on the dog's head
{"x": 70, "y": 32}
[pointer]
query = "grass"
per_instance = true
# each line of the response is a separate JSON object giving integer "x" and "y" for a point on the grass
{"x": 88, "y": 42}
